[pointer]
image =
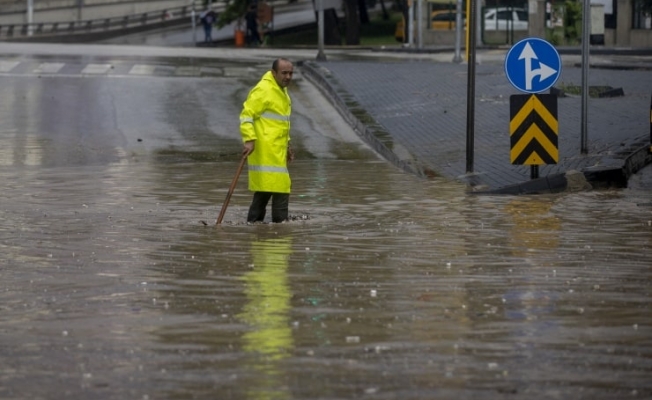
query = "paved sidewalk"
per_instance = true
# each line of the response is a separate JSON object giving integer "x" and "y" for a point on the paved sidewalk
{"x": 414, "y": 113}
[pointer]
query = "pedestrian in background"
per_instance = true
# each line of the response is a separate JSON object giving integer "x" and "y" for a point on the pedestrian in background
{"x": 252, "y": 26}
{"x": 207, "y": 19}
{"x": 265, "y": 130}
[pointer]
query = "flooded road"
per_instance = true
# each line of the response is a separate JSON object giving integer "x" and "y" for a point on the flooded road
{"x": 394, "y": 288}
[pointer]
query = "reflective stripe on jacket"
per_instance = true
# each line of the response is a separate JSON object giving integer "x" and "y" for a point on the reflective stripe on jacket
{"x": 265, "y": 118}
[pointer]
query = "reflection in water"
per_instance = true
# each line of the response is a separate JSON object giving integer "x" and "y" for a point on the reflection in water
{"x": 534, "y": 237}
{"x": 267, "y": 313}
{"x": 535, "y": 233}
{"x": 535, "y": 228}
{"x": 19, "y": 142}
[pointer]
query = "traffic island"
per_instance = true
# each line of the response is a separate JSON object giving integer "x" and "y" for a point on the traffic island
{"x": 594, "y": 91}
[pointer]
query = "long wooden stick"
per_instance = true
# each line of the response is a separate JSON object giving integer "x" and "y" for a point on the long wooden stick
{"x": 231, "y": 188}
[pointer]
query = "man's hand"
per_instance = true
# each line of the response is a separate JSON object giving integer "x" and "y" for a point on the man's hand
{"x": 290, "y": 154}
{"x": 249, "y": 147}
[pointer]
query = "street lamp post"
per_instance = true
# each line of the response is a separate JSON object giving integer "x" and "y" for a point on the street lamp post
{"x": 320, "y": 31}
{"x": 459, "y": 24}
{"x": 193, "y": 18}
{"x": 419, "y": 24}
{"x": 586, "y": 32}
{"x": 470, "y": 88}
{"x": 30, "y": 17}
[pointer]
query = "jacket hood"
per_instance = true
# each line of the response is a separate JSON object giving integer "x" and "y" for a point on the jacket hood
{"x": 270, "y": 77}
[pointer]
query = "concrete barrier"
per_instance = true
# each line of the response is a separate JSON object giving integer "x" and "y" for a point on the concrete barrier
{"x": 65, "y": 11}
{"x": 95, "y": 29}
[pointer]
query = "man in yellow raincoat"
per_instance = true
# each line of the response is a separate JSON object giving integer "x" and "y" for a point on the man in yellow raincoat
{"x": 265, "y": 130}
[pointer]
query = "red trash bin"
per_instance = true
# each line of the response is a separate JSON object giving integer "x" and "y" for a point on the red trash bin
{"x": 239, "y": 38}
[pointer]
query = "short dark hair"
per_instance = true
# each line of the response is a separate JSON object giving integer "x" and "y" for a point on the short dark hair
{"x": 275, "y": 63}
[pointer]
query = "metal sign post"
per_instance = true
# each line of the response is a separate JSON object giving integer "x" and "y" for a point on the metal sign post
{"x": 320, "y": 31}
{"x": 470, "y": 88}
{"x": 30, "y": 17}
{"x": 410, "y": 23}
{"x": 457, "y": 58}
{"x": 586, "y": 32}
{"x": 193, "y": 19}
{"x": 419, "y": 24}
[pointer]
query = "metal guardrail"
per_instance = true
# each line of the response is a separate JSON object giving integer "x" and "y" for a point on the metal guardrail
{"x": 93, "y": 25}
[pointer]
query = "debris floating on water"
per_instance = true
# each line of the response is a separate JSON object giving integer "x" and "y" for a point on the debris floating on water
{"x": 302, "y": 217}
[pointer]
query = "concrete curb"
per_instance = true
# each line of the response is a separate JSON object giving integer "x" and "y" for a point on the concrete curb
{"x": 639, "y": 159}
{"x": 593, "y": 178}
{"x": 548, "y": 184}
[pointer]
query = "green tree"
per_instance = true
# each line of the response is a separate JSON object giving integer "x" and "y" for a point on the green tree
{"x": 352, "y": 22}
{"x": 233, "y": 10}
{"x": 572, "y": 20}
{"x": 355, "y": 12}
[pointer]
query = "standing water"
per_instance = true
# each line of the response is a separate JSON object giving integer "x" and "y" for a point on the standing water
{"x": 393, "y": 287}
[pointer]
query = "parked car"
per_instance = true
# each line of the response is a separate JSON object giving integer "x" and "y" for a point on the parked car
{"x": 440, "y": 19}
{"x": 444, "y": 19}
{"x": 399, "y": 34}
{"x": 505, "y": 18}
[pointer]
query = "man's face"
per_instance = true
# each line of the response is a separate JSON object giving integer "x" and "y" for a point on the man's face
{"x": 283, "y": 75}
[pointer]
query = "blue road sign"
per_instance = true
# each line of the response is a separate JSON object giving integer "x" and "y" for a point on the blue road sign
{"x": 532, "y": 65}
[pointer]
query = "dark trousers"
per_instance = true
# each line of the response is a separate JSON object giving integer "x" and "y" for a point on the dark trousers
{"x": 207, "y": 33}
{"x": 280, "y": 205}
{"x": 254, "y": 37}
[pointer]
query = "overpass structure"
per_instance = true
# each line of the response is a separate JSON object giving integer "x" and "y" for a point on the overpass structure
{"x": 93, "y": 20}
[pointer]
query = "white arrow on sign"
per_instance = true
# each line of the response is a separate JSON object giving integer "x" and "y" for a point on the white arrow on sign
{"x": 543, "y": 71}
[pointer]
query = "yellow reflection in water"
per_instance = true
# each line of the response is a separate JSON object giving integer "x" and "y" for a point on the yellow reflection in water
{"x": 535, "y": 227}
{"x": 534, "y": 237}
{"x": 267, "y": 312}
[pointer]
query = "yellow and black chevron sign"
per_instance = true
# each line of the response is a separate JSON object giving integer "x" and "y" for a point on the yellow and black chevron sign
{"x": 533, "y": 129}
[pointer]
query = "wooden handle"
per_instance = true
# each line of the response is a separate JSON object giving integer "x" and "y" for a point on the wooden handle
{"x": 231, "y": 189}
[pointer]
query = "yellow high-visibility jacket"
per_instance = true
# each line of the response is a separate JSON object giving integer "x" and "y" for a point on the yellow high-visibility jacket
{"x": 265, "y": 118}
